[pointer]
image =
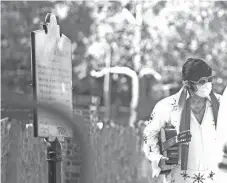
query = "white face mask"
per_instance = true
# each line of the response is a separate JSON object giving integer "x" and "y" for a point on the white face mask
{"x": 204, "y": 90}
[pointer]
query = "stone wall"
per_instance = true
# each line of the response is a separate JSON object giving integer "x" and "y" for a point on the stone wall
{"x": 116, "y": 155}
{"x": 23, "y": 156}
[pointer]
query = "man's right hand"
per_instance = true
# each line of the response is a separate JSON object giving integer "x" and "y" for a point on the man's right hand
{"x": 162, "y": 161}
{"x": 163, "y": 165}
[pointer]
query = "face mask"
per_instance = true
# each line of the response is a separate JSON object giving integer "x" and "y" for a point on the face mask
{"x": 204, "y": 90}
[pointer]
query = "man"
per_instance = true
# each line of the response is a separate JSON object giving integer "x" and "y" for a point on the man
{"x": 222, "y": 139}
{"x": 193, "y": 108}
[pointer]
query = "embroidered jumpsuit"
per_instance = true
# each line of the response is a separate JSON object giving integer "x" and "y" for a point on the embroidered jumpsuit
{"x": 202, "y": 163}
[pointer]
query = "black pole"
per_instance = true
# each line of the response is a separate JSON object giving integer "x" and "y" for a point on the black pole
{"x": 54, "y": 159}
{"x": 223, "y": 165}
{"x": 107, "y": 86}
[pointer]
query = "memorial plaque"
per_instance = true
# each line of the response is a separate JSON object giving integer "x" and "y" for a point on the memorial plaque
{"x": 86, "y": 100}
{"x": 52, "y": 77}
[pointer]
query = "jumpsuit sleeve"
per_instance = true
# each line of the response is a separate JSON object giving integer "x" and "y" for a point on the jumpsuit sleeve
{"x": 158, "y": 119}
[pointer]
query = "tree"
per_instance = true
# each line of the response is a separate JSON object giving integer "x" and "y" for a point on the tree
{"x": 18, "y": 21}
{"x": 169, "y": 34}
{"x": 189, "y": 29}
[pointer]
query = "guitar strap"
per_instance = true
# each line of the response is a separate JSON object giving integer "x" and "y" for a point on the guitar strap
{"x": 215, "y": 107}
{"x": 184, "y": 125}
{"x": 185, "y": 121}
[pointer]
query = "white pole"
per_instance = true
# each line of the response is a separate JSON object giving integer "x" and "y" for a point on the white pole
{"x": 135, "y": 87}
{"x": 149, "y": 71}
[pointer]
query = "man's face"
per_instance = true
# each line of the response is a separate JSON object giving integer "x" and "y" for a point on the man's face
{"x": 202, "y": 81}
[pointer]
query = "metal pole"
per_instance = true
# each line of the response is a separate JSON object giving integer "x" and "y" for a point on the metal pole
{"x": 137, "y": 39}
{"x": 54, "y": 159}
{"x": 107, "y": 86}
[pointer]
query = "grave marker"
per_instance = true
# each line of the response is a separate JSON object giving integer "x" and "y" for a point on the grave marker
{"x": 52, "y": 77}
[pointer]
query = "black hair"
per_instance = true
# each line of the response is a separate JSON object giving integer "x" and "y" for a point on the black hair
{"x": 194, "y": 69}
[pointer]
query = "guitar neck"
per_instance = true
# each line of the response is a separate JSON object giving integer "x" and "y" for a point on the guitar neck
{"x": 169, "y": 143}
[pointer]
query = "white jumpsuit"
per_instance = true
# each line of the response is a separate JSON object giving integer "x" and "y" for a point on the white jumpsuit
{"x": 202, "y": 162}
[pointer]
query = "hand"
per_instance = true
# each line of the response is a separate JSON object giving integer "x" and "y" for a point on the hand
{"x": 163, "y": 165}
{"x": 162, "y": 161}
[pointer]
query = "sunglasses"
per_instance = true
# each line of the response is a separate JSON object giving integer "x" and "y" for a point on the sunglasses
{"x": 202, "y": 80}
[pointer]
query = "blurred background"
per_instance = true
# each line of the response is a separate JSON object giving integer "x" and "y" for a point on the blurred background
{"x": 144, "y": 42}
{"x": 151, "y": 38}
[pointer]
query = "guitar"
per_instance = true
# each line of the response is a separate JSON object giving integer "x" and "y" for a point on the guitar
{"x": 221, "y": 134}
{"x": 169, "y": 142}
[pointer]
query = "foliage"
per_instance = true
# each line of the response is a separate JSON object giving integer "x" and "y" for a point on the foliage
{"x": 20, "y": 18}
{"x": 197, "y": 30}
{"x": 170, "y": 33}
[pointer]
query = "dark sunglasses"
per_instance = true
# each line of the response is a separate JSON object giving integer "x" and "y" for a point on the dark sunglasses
{"x": 202, "y": 80}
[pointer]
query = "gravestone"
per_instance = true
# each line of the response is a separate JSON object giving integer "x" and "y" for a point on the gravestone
{"x": 52, "y": 78}
{"x": 87, "y": 106}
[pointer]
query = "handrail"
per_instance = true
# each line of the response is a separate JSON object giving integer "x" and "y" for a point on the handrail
{"x": 150, "y": 71}
{"x": 126, "y": 71}
{"x": 135, "y": 87}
